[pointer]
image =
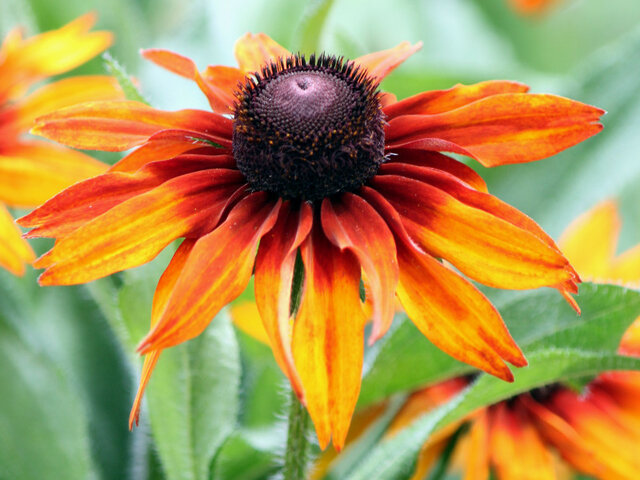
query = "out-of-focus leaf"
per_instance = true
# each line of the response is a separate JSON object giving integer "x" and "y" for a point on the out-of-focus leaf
{"x": 311, "y": 26}
{"x": 44, "y": 430}
{"x": 394, "y": 458}
{"x": 250, "y": 454}
{"x": 407, "y": 360}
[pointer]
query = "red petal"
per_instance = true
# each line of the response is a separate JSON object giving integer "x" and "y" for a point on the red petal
{"x": 382, "y": 63}
{"x": 328, "y": 337}
{"x": 482, "y": 245}
{"x": 273, "y": 280}
{"x": 501, "y": 129}
{"x": 440, "y": 101}
{"x": 116, "y": 126}
{"x": 218, "y": 270}
{"x": 163, "y": 291}
{"x": 135, "y": 231}
{"x": 349, "y": 222}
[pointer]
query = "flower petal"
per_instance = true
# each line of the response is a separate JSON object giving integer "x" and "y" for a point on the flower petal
{"x": 64, "y": 93}
{"x": 135, "y": 231}
{"x": 273, "y": 279}
{"x": 186, "y": 68}
{"x": 163, "y": 291}
{"x": 14, "y": 251}
{"x": 116, "y": 126}
{"x": 382, "y": 63}
{"x": 517, "y": 451}
{"x": 447, "y": 309}
{"x": 440, "y": 101}
{"x": 477, "y": 461}
{"x": 501, "y": 129}
{"x": 31, "y": 173}
{"x": 246, "y": 317}
{"x": 328, "y": 337}
{"x": 425, "y": 158}
{"x": 253, "y": 51}
{"x": 483, "y": 246}
{"x": 590, "y": 241}
{"x": 350, "y": 223}
{"x": 217, "y": 270}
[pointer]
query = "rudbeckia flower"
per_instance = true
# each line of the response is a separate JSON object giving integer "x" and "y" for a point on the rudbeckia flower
{"x": 305, "y": 161}
{"x": 33, "y": 171}
{"x": 553, "y": 429}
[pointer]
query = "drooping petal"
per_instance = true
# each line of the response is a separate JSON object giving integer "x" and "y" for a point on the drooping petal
{"x": 273, "y": 280}
{"x": 517, "y": 451}
{"x": 116, "y": 126}
{"x": 590, "y": 241}
{"x": 440, "y": 101}
{"x": 447, "y": 309}
{"x": 477, "y": 460}
{"x": 134, "y": 232}
{"x": 162, "y": 294}
{"x": 246, "y": 317}
{"x": 328, "y": 337}
{"x": 217, "y": 270}
{"x": 14, "y": 251}
{"x": 253, "y": 51}
{"x": 64, "y": 93}
{"x": 350, "y": 223}
{"x": 500, "y": 129}
{"x": 425, "y": 158}
{"x": 382, "y": 63}
{"x": 482, "y": 245}
{"x": 32, "y": 172}
{"x": 219, "y": 100}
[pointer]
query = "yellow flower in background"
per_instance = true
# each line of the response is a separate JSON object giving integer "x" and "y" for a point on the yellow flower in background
{"x": 31, "y": 171}
{"x": 551, "y": 431}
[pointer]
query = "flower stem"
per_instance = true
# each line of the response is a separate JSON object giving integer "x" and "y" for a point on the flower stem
{"x": 295, "y": 459}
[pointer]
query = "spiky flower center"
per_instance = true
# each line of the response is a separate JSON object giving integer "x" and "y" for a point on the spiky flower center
{"x": 308, "y": 129}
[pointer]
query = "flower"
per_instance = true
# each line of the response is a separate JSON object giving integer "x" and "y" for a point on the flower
{"x": 32, "y": 171}
{"x": 531, "y": 7}
{"x": 305, "y": 157}
{"x": 523, "y": 437}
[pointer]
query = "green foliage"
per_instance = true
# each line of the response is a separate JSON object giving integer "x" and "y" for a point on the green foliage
{"x": 130, "y": 90}
{"x": 311, "y": 26}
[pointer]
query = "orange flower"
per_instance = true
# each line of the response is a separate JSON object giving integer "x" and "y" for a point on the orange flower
{"x": 527, "y": 436}
{"x": 531, "y": 7}
{"x": 307, "y": 156}
{"x": 32, "y": 171}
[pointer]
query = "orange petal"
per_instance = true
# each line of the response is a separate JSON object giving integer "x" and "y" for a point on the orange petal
{"x": 135, "y": 231}
{"x": 246, "y": 317}
{"x": 163, "y": 291}
{"x": 590, "y": 241}
{"x": 517, "y": 451}
{"x": 65, "y": 93}
{"x": 273, "y": 280}
{"x": 440, "y": 101}
{"x": 50, "y": 53}
{"x": 225, "y": 80}
{"x": 219, "y": 101}
{"x": 116, "y": 126}
{"x": 253, "y": 51}
{"x": 31, "y": 173}
{"x": 382, "y": 63}
{"x": 630, "y": 343}
{"x": 217, "y": 270}
{"x": 14, "y": 251}
{"x": 482, "y": 245}
{"x": 477, "y": 461}
{"x": 531, "y": 7}
{"x": 500, "y": 129}
{"x": 425, "y": 158}
{"x": 328, "y": 337}
{"x": 350, "y": 223}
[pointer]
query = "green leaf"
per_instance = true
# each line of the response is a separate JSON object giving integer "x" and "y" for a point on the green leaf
{"x": 394, "y": 458}
{"x": 114, "y": 68}
{"x": 311, "y": 25}
{"x": 407, "y": 360}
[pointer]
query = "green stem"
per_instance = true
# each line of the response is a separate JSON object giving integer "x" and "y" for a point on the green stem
{"x": 295, "y": 459}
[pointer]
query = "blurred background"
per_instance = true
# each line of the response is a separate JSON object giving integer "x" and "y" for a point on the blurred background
{"x": 67, "y": 369}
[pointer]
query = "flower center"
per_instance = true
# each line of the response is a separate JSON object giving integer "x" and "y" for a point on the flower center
{"x": 308, "y": 129}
